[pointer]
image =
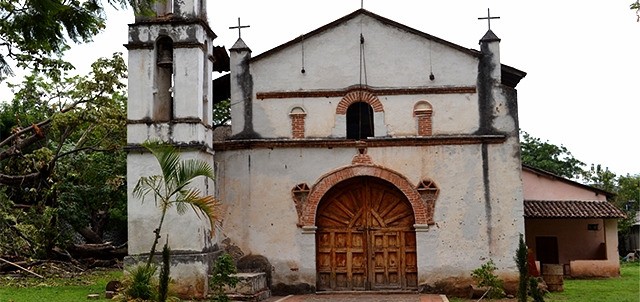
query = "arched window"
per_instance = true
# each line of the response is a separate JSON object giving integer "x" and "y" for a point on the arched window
{"x": 163, "y": 100}
{"x": 359, "y": 121}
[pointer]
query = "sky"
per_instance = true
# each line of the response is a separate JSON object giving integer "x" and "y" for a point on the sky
{"x": 582, "y": 88}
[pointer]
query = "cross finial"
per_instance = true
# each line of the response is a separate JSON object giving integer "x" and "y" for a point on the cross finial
{"x": 239, "y": 27}
{"x": 488, "y": 18}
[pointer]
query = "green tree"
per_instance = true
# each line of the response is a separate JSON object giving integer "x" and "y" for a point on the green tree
{"x": 34, "y": 33}
{"x": 628, "y": 200}
{"x": 523, "y": 270}
{"x": 549, "y": 157}
{"x": 61, "y": 158}
{"x": 221, "y": 113}
{"x": 636, "y": 6}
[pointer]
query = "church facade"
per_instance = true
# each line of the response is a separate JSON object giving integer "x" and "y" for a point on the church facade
{"x": 367, "y": 155}
{"x": 364, "y": 155}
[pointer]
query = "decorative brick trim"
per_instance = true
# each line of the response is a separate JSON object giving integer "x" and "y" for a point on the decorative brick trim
{"x": 297, "y": 124}
{"x": 330, "y": 179}
{"x": 429, "y": 193}
{"x": 359, "y": 96}
{"x": 362, "y": 158}
{"x": 423, "y": 111}
{"x": 445, "y": 140}
{"x": 373, "y": 90}
{"x": 299, "y": 195}
{"x": 424, "y": 124}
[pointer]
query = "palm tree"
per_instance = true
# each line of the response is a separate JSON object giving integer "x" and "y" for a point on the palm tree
{"x": 171, "y": 188}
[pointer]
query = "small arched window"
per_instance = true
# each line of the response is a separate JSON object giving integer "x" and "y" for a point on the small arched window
{"x": 359, "y": 121}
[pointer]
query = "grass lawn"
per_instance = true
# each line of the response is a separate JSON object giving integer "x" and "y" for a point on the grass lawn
{"x": 623, "y": 289}
{"x": 73, "y": 289}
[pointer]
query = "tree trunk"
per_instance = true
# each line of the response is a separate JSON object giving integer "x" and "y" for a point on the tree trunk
{"x": 103, "y": 251}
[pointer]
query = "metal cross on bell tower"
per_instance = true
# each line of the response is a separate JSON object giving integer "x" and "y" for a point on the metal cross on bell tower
{"x": 239, "y": 27}
{"x": 488, "y": 18}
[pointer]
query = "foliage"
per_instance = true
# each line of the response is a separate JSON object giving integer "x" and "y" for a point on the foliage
{"x": 636, "y": 6}
{"x": 171, "y": 188}
{"x": 223, "y": 276}
{"x": 221, "y": 113}
{"x": 139, "y": 283}
{"x": 628, "y": 200}
{"x": 165, "y": 271}
{"x": 35, "y": 33}
{"x": 535, "y": 291}
{"x": 61, "y": 159}
{"x": 485, "y": 277}
{"x": 549, "y": 157}
{"x": 523, "y": 270}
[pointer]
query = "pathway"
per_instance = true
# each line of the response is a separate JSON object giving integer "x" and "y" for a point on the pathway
{"x": 361, "y": 298}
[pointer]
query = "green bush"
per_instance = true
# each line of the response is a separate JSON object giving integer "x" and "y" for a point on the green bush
{"x": 485, "y": 277}
{"x": 222, "y": 275}
{"x": 140, "y": 283}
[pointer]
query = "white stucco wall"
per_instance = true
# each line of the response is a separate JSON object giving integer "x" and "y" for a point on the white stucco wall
{"x": 260, "y": 214}
{"x": 332, "y": 68}
{"x": 336, "y": 52}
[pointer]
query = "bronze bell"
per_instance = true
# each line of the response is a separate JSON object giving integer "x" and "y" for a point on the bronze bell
{"x": 165, "y": 59}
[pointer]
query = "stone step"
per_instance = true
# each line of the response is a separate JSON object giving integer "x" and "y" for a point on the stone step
{"x": 251, "y": 287}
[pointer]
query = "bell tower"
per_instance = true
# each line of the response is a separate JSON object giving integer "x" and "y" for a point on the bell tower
{"x": 171, "y": 60}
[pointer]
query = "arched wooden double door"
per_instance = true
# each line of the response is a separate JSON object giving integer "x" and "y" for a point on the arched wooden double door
{"x": 365, "y": 238}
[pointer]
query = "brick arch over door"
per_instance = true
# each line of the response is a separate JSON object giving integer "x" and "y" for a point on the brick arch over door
{"x": 359, "y": 96}
{"x": 329, "y": 180}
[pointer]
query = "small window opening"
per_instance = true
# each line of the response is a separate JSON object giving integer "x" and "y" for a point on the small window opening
{"x": 163, "y": 100}
{"x": 359, "y": 121}
{"x": 592, "y": 227}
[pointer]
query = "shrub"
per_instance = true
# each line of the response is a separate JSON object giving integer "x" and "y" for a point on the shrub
{"x": 485, "y": 277}
{"x": 139, "y": 283}
{"x": 523, "y": 269}
{"x": 222, "y": 275}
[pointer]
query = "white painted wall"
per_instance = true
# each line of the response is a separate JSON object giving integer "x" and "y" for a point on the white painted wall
{"x": 261, "y": 218}
{"x": 330, "y": 67}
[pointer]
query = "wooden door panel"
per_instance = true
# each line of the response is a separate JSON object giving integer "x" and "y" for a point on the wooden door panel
{"x": 365, "y": 237}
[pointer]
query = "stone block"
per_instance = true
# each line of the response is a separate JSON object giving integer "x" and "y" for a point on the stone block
{"x": 250, "y": 287}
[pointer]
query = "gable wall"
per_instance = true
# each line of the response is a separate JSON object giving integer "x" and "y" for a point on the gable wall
{"x": 538, "y": 187}
{"x": 333, "y": 68}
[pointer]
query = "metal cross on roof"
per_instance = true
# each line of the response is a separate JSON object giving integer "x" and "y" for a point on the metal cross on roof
{"x": 239, "y": 27}
{"x": 488, "y": 18}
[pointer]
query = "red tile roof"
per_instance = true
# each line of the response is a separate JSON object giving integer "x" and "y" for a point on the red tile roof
{"x": 571, "y": 209}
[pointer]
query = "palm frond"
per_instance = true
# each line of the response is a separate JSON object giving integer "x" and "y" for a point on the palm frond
{"x": 168, "y": 159}
{"x": 148, "y": 184}
{"x": 206, "y": 205}
{"x": 189, "y": 170}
